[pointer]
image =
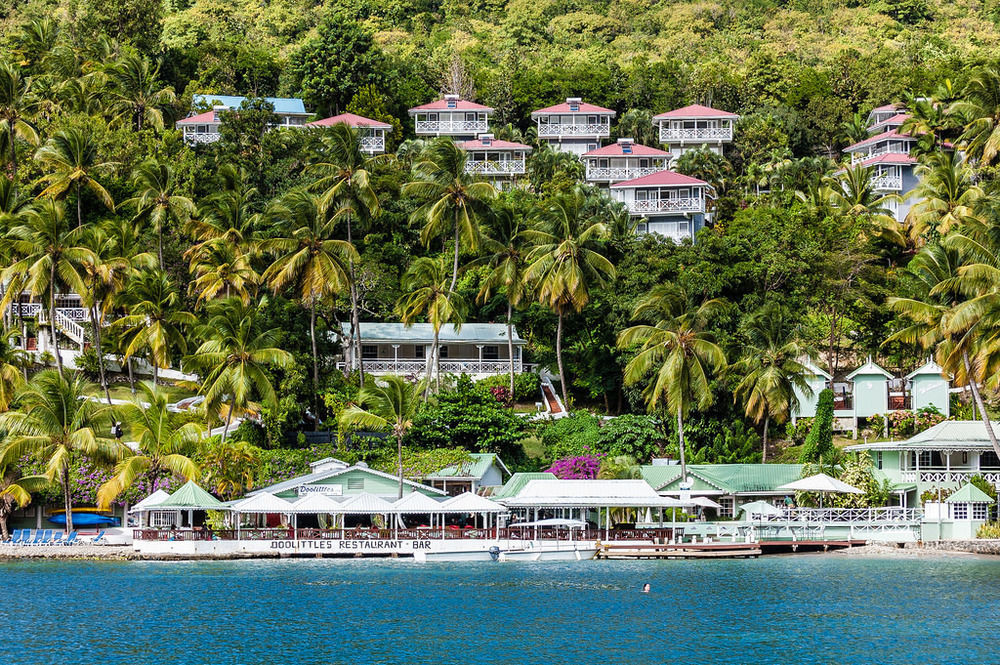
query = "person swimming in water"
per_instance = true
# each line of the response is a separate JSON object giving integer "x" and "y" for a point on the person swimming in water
{"x": 645, "y": 587}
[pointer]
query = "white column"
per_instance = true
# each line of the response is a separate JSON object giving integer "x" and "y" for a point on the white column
{"x": 480, "y": 347}
{"x": 395, "y": 358}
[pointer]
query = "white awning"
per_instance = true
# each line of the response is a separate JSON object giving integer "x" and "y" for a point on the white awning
{"x": 591, "y": 494}
{"x": 159, "y": 496}
{"x": 365, "y": 504}
{"x": 821, "y": 483}
{"x": 265, "y": 502}
{"x": 415, "y": 502}
{"x": 467, "y": 502}
{"x": 315, "y": 504}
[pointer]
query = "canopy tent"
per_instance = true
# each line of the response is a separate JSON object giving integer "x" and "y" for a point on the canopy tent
{"x": 190, "y": 497}
{"x": 417, "y": 503}
{"x": 467, "y": 502}
{"x": 265, "y": 502}
{"x": 314, "y": 504}
{"x": 762, "y": 508}
{"x": 823, "y": 484}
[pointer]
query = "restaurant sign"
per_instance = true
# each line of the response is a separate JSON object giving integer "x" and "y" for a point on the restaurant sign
{"x": 331, "y": 490}
{"x": 350, "y": 546}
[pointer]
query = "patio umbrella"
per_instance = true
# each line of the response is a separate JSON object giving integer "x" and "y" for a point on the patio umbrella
{"x": 823, "y": 484}
{"x": 759, "y": 508}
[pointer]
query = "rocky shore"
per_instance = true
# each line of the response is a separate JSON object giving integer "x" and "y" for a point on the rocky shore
{"x": 104, "y": 553}
{"x": 926, "y": 548}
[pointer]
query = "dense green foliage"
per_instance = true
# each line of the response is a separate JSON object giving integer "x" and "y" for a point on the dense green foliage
{"x": 819, "y": 442}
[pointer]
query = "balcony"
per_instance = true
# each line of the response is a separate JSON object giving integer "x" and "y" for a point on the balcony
{"x": 887, "y": 182}
{"x": 601, "y": 174}
{"x": 460, "y": 127}
{"x": 418, "y": 366}
{"x": 204, "y": 137}
{"x": 878, "y": 151}
{"x": 373, "y": 145}
{"x": 679, "y": 205}
{"x": 490, "y": 167}
{"x": 573, "y": 129}
{"x": 695, "y": 134}
{"x": 946, "y": 476}
{"x": 32, "y": 310}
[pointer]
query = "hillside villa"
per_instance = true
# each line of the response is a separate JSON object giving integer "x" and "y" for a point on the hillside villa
{"x": 670, "y": 204}
{"x": 695, "y": 127}
{"x": 451, "y": 116}
{"x": 574, "y": 126}
{"x": 203, "y": 127}
{"x": 371, "y": 133}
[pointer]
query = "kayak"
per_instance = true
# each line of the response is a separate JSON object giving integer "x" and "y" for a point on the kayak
{"x": 85, "y": 519}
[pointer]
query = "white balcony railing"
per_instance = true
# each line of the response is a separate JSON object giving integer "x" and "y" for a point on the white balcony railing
{"x": 895, "y": 514}
{"x": 34, "y": 309}
{"x": 669, "y": 134}
{"x": 914, "y": 476}
{"x": 615, "y": 174}
{"x": 373, "y": 144}
{"x": 206, "y": 137}
{"x": 489, "y": 167}
{"x": 877, "y": 151}
{"x": 574, "y": 129}
{"x": 892, "y": 183}
{"x": 685, "y": 205}
{"x": 451, "y": 126}
{"x": 419, "y": 366}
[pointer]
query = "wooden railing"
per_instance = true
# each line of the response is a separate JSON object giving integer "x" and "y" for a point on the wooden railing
{"x": 205, "y": 137}
{"x": 373, "y": 144}
{"x": 490, "y": 167}
{"x": 451, "y": 126}
{"x": 574, "y": 129}
{"x": 946, "y": 476}
{"x": 667, "y": 205}
{"x": 618, "y": 174}
{"x": 407, "y": 367}
{"x": 695, "y": 134}
{"x": 421, "y": 533}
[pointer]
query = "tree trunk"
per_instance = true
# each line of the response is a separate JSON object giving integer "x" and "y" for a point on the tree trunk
{"x": 680, "y": 446}
{"x": 229, "y": 419}
{"x": 510, "y": 349}
{"x": 430, "y": 366}
{"x": 156, "y": 372}
{"x": 52, "y": 318}
{"x": 454, "y": 267}
{"x": 13, "y": 177}
{"x": 312, "y": 335}
{"x": 399, "y": 462}
{"x": 96, "y": 323}
{"x": 79, "y": 213}
{"x": 131, "y": 376}
{"x": 559, "y": 362}
{"x": 355, "y": 341}
{"x": 67, "y": 498}
{"x": 763, "y": 454}
{"x": 979, "y": 402}
{"x": 437, "y": 361}
{"x": 3, "y": 527}
{"x": 159, "y": 244}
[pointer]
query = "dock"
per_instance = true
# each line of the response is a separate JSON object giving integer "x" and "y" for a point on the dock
{"x": 680, "y": 551}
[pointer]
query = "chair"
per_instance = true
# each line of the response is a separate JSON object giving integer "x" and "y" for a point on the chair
{"x": 56, "y": 538}
{"x": 25, "y": 536}
{"x": 38, "y": 537}
{"x": 97, "y": 539}
{"x": 46, "y": 537}
{"x": 71, "y": 539}
{"x": 15, "y": 536}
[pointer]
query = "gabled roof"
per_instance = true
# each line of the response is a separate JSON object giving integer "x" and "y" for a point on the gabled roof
{"x": 516, "y": 483}
{"x": 189, "y": 497}
{"x": 886, "y": 107}
{"x": 662, "y": 179}
{"x": 884, "y": 136}
{"x": 351, "y": 120}
{"x": 730, "y": 478}
{"x": 890, "y": 158}
{"x": 564, "y": 109}
{"x": 494, "y": 144}
{"x": 282, "y": 105}
{"x": 474, "y": 469}
{"x": 364, "y": 504}
{"x": 467, "y": 502}
{"x": 695, "y": 111}
{"x": 869, "y": 368}
{"x": 423, "y": 333}
{"x": 930, "y": 367}
{"x": 595, "y": 493}
{"x": 817, "y": 370}
{"x": 200, "y": 119}
{"x": 969, "y": 493}
{"x": 442, "y": 105}
{"x": 154, "y": 499}
{"x": 616, "y": 150}
{"x": 264, "y": 502}
{"x": 946, "y": 435}
{"x": 415, "y": 502}
{"x": 311, "y": 478}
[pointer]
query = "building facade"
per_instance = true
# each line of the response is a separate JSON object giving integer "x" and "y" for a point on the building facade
{"x": 451, "y": 116}
{"x": 695, "y": 127}
{"x": 670, "y": 204}
{"x": 887, "y": 152}
{"x": 621, "y": 161}
{"x": 203, "y": 127}
{"x": 573, "y": 126}
{"x": 371, "y": 133}
{"x": 500, "y": 162}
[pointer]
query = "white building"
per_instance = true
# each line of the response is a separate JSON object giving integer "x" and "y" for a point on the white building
{"x": 498, "y": 161}
{"x": 451, "y": 116}
{"x": 574, "y": 126}
{"x": 668, "y": 203}
{"x": 204, "y": 127}
{"x": 623, "y": 160}
{"x": 695, "y": 127}
{"x": 371, "y": 133}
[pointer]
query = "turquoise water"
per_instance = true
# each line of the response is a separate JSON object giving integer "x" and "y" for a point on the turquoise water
{"x": 801, "y": 609}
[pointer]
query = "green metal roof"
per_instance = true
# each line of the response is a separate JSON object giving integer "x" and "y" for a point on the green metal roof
{"x": 730, "y": 478}
{"x": 969, "y": 493}
{"x": 517, "y": 482}
{"x": 946, "y": 435}
{"x": 476, "y": 468}
{"x": 190, "y": 496}
{"x": 470, "y": 333}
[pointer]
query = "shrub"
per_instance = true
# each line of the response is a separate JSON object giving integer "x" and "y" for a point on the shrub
{"x": 798, "y": 432}
{"x": 989, "y": 530}
{"x": 933, "y": 494}
{"x": 580, "y": 467}
{"x": 577, "y": 434}
{"x": 633, "y": 435}
{"x": 527, "y": 386}
{"x": 502, "y": 395}
{"x": 86, "y": 362}
{"x": 985, "y": 485}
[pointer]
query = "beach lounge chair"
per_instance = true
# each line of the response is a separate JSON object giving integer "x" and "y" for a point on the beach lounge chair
{"x": 38, "y": 537}
{"x": 71, "y": 539}
{"x": 25, "y": 536}
{"x": 15, "y": 536}
{"x": 46, "y": 537}
{"x": 57, "y": 537}
{"x": 97, "y": 539}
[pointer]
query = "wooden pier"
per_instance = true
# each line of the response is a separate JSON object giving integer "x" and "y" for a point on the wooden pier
{"x": 717, "y": 550}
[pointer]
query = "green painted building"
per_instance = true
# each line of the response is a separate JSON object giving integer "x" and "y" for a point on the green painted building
{"x": 483, "y": 470}
{"x": 730, "y": 485}
{"x": 335, "y": 478}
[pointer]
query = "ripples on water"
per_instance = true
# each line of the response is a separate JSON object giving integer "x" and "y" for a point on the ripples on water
{"x": 801, "y": 609}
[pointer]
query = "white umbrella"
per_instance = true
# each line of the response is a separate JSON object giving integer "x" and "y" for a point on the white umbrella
{"x": 705, "y": 502}
{"x": 823, "y": 484}
{"x": 762, "y": 508}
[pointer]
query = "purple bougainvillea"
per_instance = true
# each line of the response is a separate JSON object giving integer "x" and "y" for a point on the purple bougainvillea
{"x": 581, "y": 467}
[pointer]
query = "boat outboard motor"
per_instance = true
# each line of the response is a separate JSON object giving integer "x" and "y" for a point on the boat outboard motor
{"x": 495, "y": 553}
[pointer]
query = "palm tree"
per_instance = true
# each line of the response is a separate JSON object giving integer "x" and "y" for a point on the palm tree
{"x": 56, "y": 421}
{"x": 157, "y": 199}
{"x": 386, "y": 404}
{"x": 17, "y": 107}
{"x": 946, "y": 195}
{"x": 155, "y": 322}
{"x": 505, "y": 255}
{"x": 70, "y": 159}
{"x": 235, "y": 358}
{"x": 158, "y": 444}
{"x": 454, "y": 200}
{"x": 770, "y": 369}
{"x": 135, "y": 93}
{"x": 52, "y": 256}
{"x": 309, "y": 257}
{"x": 15, "y": 492}
{"x": 14, "y": 364}
{"x": 566, "y": 261}
{"x": 228, "y": 216}
{"x": 221, "y": 269}
{"x": 344, "y": 178}
{"x": 676, "y": 355}
{"x": 854, "y": 129}
{"x": 852, "y": 192}
{"x": 425, "y": 294}
{"x": 979, "y": 106}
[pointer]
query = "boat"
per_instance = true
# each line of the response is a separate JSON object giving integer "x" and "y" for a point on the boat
{"x": 529, "y": 548}
{"x": 84, "y": 517}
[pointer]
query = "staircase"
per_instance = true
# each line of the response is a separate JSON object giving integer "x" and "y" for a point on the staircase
{"x": 65, "y": 325}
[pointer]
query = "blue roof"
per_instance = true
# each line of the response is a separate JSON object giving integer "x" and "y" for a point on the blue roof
{"x": 281, "y": 104}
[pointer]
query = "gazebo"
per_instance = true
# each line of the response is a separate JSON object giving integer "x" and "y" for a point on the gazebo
{"x": 190, "y": 497}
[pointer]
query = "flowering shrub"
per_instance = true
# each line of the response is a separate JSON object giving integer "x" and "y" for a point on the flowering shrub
{"x": 907, "y": 423}
{"x": 502, "y": 395}
{"x": 580, "y": 467}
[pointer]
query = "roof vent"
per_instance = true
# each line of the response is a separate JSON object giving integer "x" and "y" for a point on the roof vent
{"x": 361, "y": 465}
{"x": 452, "y": 101}
{"x": 574, "y": 103}
{"x": 663, "y": 461}
{"x": 486, "y": 139}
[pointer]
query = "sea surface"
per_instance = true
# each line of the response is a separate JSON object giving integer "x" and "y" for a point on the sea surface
{"x": 790, "y": 609}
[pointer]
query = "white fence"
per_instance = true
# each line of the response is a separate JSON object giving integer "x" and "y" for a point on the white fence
{"x": 618, "y": 174}
{"x": 668, "y": 134}
{"x": 947, "y": 476}
{"x": 890, "y": 514}
{"x": 451, "y": 126}
{"x": 682, "y": 205}
{"x": 489, "y": 167}
{"x": 373, "y": 144}
{"x": 887, "y": 182}
{"x": 410, "y": 367}
{"x": 574, "y": 129}
{"x": 205, "y": 137}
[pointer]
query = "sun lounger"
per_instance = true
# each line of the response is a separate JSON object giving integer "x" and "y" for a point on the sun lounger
{"x": 15, "y": 536}
{"x": 25, "y": 535}
{"x": 38, "y": 537}
{"x": 97, "y": 539}
{"x": 46, "y": 537}
{"x": 71, "y": 539}
{"x": 56, "y": 538}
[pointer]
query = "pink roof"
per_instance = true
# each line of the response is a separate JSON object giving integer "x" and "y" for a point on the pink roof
{"x": 201, "y": 118}
{"x": 891, "y": 134}
{"x": 615, "y": 150}
{"x": 885, "y": 107}
{"x": 495, "y": 144}
{"x": 661, "y": 178}
{"x": 890, "y": 158}
{"x": 351, "y": 120}
{"x": 696, "y": 111}
{"x": 442, "y": 105}
{"x": 564, "y": 108}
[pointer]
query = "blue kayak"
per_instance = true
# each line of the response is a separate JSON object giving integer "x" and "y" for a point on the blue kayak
{"x": 85, "y": 519}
